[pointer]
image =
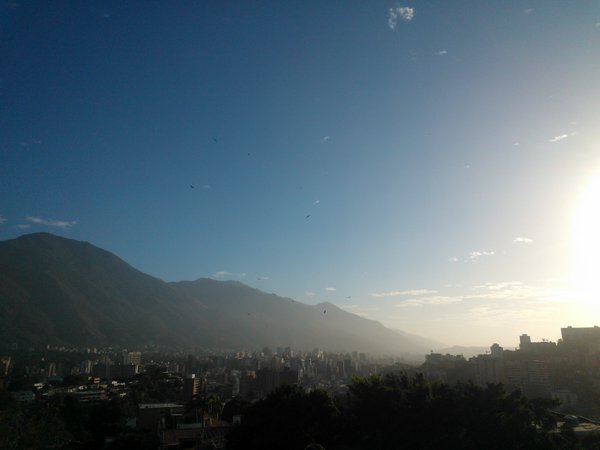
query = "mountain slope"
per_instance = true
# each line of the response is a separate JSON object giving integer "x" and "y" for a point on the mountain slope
{"x": 57, "y": 290}
{"x": 258, "y": 318}
{"x": 63, "y": 291}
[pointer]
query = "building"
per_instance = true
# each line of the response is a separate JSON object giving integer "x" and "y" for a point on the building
{"x": 158, "y": 416}
{"x": 191, "y": 387}
{"x": 583, "y": 336}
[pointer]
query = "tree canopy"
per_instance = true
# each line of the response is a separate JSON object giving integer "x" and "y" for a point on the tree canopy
{"x": 398, "y": 411}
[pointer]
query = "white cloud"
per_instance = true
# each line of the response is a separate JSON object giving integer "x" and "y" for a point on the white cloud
{"x": 316, "y": 202}
{"x": 597, "y": 25}
{"x": 64, "y": 224}
{"x": 206, "y": 186}
{"x": 224, "y": 273}
{"x": 330, "y": 289}
{"x": 309, "y": 294}
{"x": 528, "y": 11}
{"x": 410, "y": 292}
{"x": 523, "y": 240}
{"x": 403, "y": 12}
{"x": 474, "y": 256}
{"x": 220, "y": 274}
{"x": 558, "y": 138}
{"x": 431, "y": 300}
{"x": 516, "y": 144}
{"x": 515, "y": 291}
{"x": 23, "y": 226}
{"x": 325, "y": 139}
{"x": 498, "y": 286}
{"x": 453, "y": 259}
{"x": 2, "y": 220}
{"x": 441, "y": 53}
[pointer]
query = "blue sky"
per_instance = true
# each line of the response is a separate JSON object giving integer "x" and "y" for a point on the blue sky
{"x": 418, "y": 163}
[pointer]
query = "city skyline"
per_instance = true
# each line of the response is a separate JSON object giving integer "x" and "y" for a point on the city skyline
{"x": 431, "y": 166}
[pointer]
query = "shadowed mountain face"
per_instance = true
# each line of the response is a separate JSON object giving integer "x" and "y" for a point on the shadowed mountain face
{"x": 61, "y": 291}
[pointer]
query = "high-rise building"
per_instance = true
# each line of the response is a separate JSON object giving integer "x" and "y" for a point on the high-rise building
{"x": 580, "y": 336}
{"x": 524, "y": 341}
{"x": 191, "y": 387}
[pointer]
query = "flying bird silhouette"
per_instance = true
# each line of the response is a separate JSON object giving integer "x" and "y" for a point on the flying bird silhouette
{"x": 307, "y": 216}
{"x": 192, "y": 186}
{"x": 324, "y": 311}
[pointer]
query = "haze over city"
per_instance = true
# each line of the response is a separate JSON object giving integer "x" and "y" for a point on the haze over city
{"x": 430, "y": 165}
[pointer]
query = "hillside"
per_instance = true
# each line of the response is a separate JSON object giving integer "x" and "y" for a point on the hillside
{"x": 61, "y": 291}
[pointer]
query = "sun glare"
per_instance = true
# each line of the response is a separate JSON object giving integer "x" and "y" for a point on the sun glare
{"x": 586, "y": 244}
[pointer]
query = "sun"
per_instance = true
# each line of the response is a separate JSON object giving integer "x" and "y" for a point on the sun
{"x": 586, "y": 244}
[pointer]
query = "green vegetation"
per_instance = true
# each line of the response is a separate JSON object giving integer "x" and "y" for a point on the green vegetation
{"x": 389, "y": 411}
{"x": 397, "y": 411}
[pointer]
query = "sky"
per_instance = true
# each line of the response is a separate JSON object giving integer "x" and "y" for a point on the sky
{"x": 431, "y": 165}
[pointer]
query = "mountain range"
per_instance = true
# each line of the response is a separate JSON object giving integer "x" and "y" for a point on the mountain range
{"x": 60, "y": 291}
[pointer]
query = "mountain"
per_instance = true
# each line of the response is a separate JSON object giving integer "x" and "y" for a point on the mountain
{"x": 60, "y": 291}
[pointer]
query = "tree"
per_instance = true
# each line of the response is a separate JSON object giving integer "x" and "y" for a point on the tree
{"x": 288, "y": 418}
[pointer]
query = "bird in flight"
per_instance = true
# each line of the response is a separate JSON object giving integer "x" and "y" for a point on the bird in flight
{"x": 307, "y": 216}
{"x": 324, "y": 311}
{"x": 214, "y": 139}
{"x": 192, "y": 186}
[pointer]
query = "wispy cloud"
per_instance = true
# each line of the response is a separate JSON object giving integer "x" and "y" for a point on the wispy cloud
{"x": 528, "y": 11}
{"x": 262, "y": 278}
{"x": 523, "y": 240}
{"x": 430, "y": 300}
{"x": 206, "y": 186}
{"x": 23, "y": 226}
{"x": 316, "y": 202}
{"x": 224, "y": 273}
{"x": 410, "y": 292}
{"x": 597, "y": 25}
{"x": 558, "y": 138}
{"x": 325, "y": 139}
{"x": 64, "y": 224}
{"x": 2, "y": 220}
{"x": 330, "y": 289}
{"x": 453, "y": 259}
{"x": 220, "y": 274}
{"x": 441, "y": 53}
{"x": 399, "y": 12}
{"x": 309, "y": 294}
{"x": 474, "y": 256}
{"x": 30, "y": 142}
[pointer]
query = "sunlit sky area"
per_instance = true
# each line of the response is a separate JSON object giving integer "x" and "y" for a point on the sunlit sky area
{"x": 433, "y": 165}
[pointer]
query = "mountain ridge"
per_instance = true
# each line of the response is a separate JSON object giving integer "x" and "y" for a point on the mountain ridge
{"x": 62, "y": 291}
